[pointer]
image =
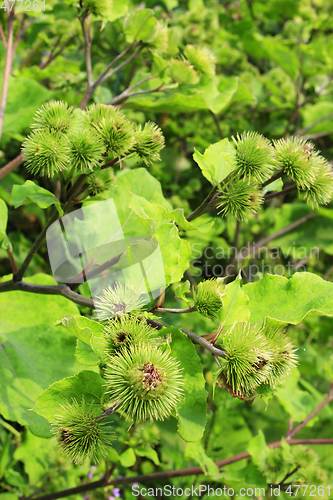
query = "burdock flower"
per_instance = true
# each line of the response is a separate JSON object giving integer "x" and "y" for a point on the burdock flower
{"x": 240, "y": 199}
{"x": 247, "y": 361}
{"x": 295, "y": 156}
{"x": 81, "y": 433}
{"x": 320, "y": 191}
{"x": 100, "y": 181}
{"x": 146, "y": 381}
{"x": 117, "y": 300}
{"x": 208, "y": 298}
{"x": 284, "y": 358}
{"x": 86, "y": 150}
{"x": 254, "y": 156}
{"x": 124, "y": 332}
{"x": 56, "y": 117}
{"x": 115, "y": 130}
{"x": 148, "y": 143}
{"x": 45, "y": 153}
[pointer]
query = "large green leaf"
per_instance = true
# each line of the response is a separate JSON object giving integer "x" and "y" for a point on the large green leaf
{"x": 192, "y": 410}
{"x": 24, "y": 98}
{"x": 184, "y": 100}
{"x": 289, "y": 301}
{"x": 235, "y": 305}
{"x": 87, "y": 384}
{"x": 281, "y": 55}
{"x": 118, "y": 9}
{"x": 89, "y": 348}
{"x": 30, "y": 192}
{"x": 159, "y": 214}
{"x": 174, "y": 103}
{"x": 83, "y": 328}
{"x": 217, "y": 161}
{"x": 299, "y": 404}
{"x": 137, "y": 182}
{"x": 33, "y": 352}
{"x": 215, "y": 100}
{"x": 37, "y": 455}
{"x": 197, "y": 452}
{"x": 176, "y": 253}
{"x": 140, "y": 25}
{"x": 315, "y": 112}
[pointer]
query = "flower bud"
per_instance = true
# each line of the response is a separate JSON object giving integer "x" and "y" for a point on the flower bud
{"x": 126, "y": 331}
{"x": 45, "y": 154}
{"x": 147, "y": 382}
{"x": 254, "y": 157}
{"x": 247, "y": 361}
{"x": 240, "y": 199}
{"x": 80, "y": 433}
{"x": 148, "y": 143}
{"x": 56, "y": 117}
{"x": 86, "y": 150}
{"x": 117, "y": 300}
{"x": 208, "y": 298}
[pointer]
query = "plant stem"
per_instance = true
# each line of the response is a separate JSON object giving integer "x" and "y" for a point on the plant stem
{"x": 56, "y": 54}
{"x": 85, "y": 24}
{"x": 276, "y": 176}
{"x": 202, "y": 208}
{"x": 7, "y": 70}
{"x": 317, "y": 122}
{"x": 196, "y": 339}
{"x": 115, "y": 60}
{"x": 289, "y": 475}
{"x": 300, "y": 426}
{"x": 285, "y": 191}
{"x": 11, "y": 166}
{"x": 37, "y": 243}
{"x": 217, "y": 123}
{"x": 101, "y": 79}
{"x": 63, "y": 290}
{"x": 174, "y": 311}
{"x": 156, "y": 476}
{"x": 126, "y": 93}
{"x": 120, "y": 66}
{"x": 2, "y": 35}
{"x": 12, "y": 260}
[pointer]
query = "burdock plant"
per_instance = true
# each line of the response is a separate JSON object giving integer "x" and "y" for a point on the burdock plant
{"x": 284, "y": 357}
{"x": 294, "y": 157}
{"x": 86, "y": 150}
{"x": 240, "y": 199}
{"x": 112, "y": 127}
{"x": 149, "y": 141}
{"x": 146, "y": 381}
{"x": 254, "y": 156}
{"x": 45, "y": 153}
{"x": 126, "y": 331}
{"x": 247, "y": 362}
{"x": 208, "y": 297}
{"x": 64, "y": 138}
{"x": 81, "y": 432}
{"x": 56, "y": 117}
{"x": 116, "y": 300}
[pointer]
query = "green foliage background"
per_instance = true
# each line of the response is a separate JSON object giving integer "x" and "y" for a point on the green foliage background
{"x": 274, "y": 75}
